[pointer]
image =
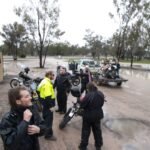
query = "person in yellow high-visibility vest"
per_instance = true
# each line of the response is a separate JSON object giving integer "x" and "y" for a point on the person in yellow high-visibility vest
{"x": 47, "y": 98}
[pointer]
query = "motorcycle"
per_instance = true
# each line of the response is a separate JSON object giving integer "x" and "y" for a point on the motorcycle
{"x": 75, "y": 110}
{"x": 30, "y": 84}
{"x": 74, "y": 78}
{"x": 110, "y": 71}
{"x": 72, "y": 111}
{"x": 108, "y": 75}
{"x": 23, "y": 79}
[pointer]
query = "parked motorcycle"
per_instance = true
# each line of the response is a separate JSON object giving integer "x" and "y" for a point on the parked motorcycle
{"x": 72, "y": 111}
{"x": 74, "y": 78}
{"x": 75, "y": 110}
{"x": 31, "y": 84}
{"x": 23, "y": 79}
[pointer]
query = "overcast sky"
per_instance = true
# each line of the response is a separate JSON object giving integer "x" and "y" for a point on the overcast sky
{"x": 75, "y": 17}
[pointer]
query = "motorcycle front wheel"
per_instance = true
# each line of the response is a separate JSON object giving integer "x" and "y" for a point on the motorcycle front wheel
{"x": 68, "y": 116}
{"x": 14, "y": 83}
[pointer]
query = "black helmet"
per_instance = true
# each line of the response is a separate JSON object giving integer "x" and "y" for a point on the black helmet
{"x": 75, "y": 91}
{"x": 27, "y": 69}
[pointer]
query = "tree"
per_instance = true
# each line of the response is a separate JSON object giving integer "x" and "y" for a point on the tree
{"x": 66, "y": 49}
{"x": 133, "y": 41}
{"x": 40, "y": 18}
{"x": 128, "y": 12}
{"x": 94, "y": 42}
{"x": 14, "y": 35}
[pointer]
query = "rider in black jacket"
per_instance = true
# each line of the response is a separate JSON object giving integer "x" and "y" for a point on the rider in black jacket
{"x": 21, "y": 126}
{"x": 62, "y": 85}
{"x": 86, "y": 77}
{"x": 92, "y": 104}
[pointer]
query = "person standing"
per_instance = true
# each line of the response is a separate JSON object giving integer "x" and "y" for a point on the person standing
{"x": 92, "y": 105}
{"x": 47, "y": 98}
{"x": 86, "y": 77}
{"x": 118, "y": 66}
{"x": 62, "y": 85}
{"x": 22, "y": 125}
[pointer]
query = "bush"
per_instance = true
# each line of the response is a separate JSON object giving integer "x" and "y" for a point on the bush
{"x": 22, "y": 55}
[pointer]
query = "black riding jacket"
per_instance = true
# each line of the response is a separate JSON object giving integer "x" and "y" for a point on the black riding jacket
{"x": 62, "y": 83}
{"x": 13, "y": 130}
{"x": 92, "y": 104}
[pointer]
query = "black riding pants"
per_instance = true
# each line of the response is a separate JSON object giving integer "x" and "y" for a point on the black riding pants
{"x": 48, "y": 117}
{"x": 87, "y": 125}
{"x": 62, "y": 101}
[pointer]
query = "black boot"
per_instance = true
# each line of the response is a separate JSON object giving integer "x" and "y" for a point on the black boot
{"x": 82, "y": 148}
{"x": 98, "y": 148}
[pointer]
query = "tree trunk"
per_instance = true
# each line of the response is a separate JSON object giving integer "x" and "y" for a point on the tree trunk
{"x": 40, "y": 57}
{"x": 118, "y": 50}
{"x": 15, "y": 53}
{"x": 45, "y": 57}
{"x": 98, "y": 54}
{"x": 131, "y": 65}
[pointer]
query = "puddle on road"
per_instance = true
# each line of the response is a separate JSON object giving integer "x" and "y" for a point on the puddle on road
{"x": 135, "y": 133}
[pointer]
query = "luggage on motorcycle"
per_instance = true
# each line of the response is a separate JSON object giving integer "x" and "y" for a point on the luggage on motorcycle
{"x": 75, "y": 91}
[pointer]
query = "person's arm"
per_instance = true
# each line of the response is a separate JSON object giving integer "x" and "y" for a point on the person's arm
{"x": 84, "y": 101}
{"x": 68, "y": 85}
{"x": 55, "y": 83}
{"x": 42, "y": 127}
{"x": 102, "y": 98}
{"x": 39, "y": 123}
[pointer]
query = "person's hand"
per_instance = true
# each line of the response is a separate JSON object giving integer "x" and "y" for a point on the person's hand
{"x": 52, "y": 109}
{"x": 33, "y": 129}
{"x": 27, "y": 115}
{"x": 82, "y": 97}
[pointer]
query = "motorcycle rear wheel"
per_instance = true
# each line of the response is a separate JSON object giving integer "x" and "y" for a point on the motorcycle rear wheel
{"x": 14, "y": 83}
{"x": 75, "y": 81}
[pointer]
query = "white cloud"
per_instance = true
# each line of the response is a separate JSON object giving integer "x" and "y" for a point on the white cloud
{"x": 76, "y": 16}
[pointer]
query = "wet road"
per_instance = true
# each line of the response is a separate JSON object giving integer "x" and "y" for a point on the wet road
{"x": 126, "y": 125}
{"x": 127, "y": 110}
